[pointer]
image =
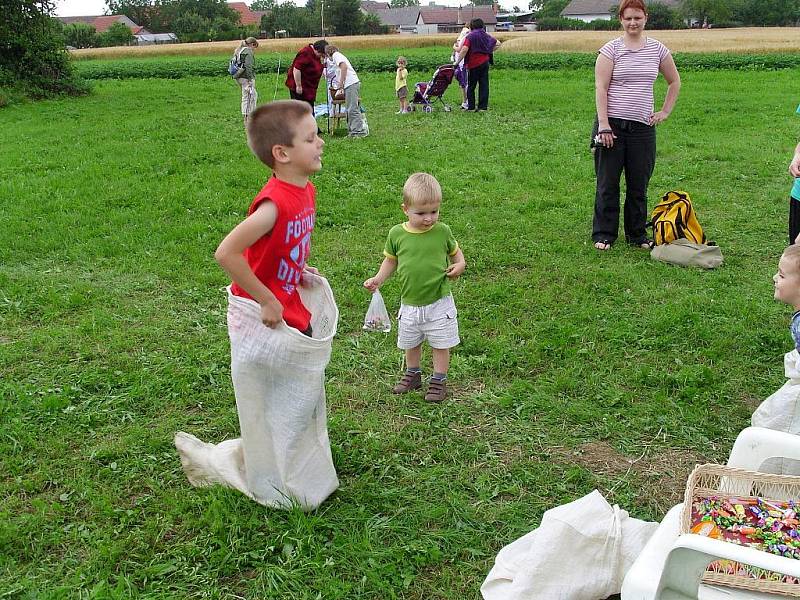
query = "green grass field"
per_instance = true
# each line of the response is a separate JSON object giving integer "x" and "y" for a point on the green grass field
{"x": 578, "y": 370}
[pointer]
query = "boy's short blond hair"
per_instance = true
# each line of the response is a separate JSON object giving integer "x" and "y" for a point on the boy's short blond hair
{"x": 792, "y": 253}
{"x": 402, "y": 59}
{"x": 421, "y": 188}
{"x": 274, "y": 124}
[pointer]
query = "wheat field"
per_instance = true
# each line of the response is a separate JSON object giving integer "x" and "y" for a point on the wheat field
{"x": 745, "y": 39}
{"x": 749, "y": 39}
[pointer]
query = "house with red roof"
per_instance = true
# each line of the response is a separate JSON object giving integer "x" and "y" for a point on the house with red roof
{"x": 247, "y": 17}
{"x": 432, "y": 18}
{"x": 103, "y": 22}
{"x": 450, "y": 19}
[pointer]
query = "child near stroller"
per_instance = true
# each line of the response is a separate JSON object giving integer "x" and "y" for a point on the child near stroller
{"x": 425, "y": 94}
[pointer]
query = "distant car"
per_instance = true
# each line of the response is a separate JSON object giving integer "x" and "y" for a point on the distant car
{"x": 504, "y": 26}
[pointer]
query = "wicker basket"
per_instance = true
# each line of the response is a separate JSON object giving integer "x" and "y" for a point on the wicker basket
{"x": 725, "y": 483}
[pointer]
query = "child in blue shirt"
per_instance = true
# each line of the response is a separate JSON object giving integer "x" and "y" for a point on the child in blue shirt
{"x": 794, "y": 199}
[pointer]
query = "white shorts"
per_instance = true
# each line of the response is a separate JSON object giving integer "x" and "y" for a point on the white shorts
{"x": 437, "y": 323}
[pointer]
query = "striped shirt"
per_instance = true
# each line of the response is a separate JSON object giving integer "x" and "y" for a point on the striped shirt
{"x": 630, "y": 93}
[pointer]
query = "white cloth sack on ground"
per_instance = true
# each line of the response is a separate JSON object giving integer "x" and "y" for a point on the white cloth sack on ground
{"x": 278, "y": 375}
{"x": 781, "y": 411}
{"x": 684, "y": 253}
{"x": 581, "y": 551}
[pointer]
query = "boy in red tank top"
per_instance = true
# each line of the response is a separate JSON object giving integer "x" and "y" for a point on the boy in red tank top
{"x": 283, "y": 456}
{"x": 265, "y": 254}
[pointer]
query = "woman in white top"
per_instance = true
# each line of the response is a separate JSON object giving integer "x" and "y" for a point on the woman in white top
{"x": 348, "y": 80}
{"x": 624, "y": 134}
{"x": 460, "y": 70}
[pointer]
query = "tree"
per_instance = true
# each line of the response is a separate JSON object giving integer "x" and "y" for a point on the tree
{"x": 117, "y": 35}
{"x": 141, "y": 12}
{"x": 295, "y": 20}
{"x": 32, "y": 53}
{"x": 551, "y": 8}
{"x": 372, "y": 25}
{"x": 80, "y": 35}
{"x": 767, "y": 12}
{"x": 263, "y": 5}
{"x": 402, "y": 3}
{"x": 713, "y": 11}
{"x": 346, "y": 17}
{"x": 661, "y": 16}
{"x": 482, "y": 2}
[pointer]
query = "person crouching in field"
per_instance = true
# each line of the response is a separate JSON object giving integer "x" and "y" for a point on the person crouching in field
{"x": 426, "y": 257}
{"x": 246, "y": 76}
{"x": 277, "y": 358}
{"x": 781, "y": 411}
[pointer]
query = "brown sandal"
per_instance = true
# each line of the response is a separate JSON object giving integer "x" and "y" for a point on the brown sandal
{"x": 408, "y": 382}
{"x": 437, "y": 391}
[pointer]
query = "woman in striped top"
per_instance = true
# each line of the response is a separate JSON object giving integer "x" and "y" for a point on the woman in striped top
{"x": 624, "y": 134}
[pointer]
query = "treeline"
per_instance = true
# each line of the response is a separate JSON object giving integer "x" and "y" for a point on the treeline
{"x": 690, "y": 13}
{"x": 214, "y": 20}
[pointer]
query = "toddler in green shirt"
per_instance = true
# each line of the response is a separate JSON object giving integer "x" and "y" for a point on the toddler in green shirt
{"x": 426, "y": 257}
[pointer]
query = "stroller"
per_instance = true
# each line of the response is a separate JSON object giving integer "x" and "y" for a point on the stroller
{"x": 426, "y": 93}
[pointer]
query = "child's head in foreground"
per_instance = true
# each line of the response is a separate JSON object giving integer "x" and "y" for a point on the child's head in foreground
{"x": 401, "y": 61}
{"x": 422, "y": 196}
{"x": 787, "y": 279}
{"x": 283, "y": 135}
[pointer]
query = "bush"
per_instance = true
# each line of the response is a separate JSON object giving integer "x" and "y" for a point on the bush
{"x": 80, "y": 35}
{"x": 116, "y": 35}
{"x": 604, "y": 25}
{"x": 559, "y": 24}
{"x": 32, "y": 51}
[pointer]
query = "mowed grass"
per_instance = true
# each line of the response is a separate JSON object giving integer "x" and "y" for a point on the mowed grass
{"x": 577, "y": 370}
{"x": 744, "y": 39}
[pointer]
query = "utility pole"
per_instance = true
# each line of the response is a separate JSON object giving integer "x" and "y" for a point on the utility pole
{"x": 322, "y": 17}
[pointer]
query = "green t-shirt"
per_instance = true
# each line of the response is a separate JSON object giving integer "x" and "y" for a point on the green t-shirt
{"x": 422, "y": 259}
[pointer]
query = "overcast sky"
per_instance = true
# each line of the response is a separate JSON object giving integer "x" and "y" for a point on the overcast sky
{"x": 80, "y": 8}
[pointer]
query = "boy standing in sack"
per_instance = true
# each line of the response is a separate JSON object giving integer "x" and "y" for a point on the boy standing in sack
{"x": 426, "y": 257}
{"x": 277, "y": 358}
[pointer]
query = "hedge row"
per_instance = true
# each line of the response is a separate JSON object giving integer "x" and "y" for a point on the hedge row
{"x": 178, "y": 67}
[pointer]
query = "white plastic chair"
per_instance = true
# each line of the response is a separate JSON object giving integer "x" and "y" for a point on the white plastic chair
{"x": 671, "y": 565}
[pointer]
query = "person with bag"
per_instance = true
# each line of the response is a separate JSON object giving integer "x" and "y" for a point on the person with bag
{"x": 426, "y": 257}
{"x": 624, "y": 135}
{"x": 245, "y": 75}
{"x": 279, "y": 348}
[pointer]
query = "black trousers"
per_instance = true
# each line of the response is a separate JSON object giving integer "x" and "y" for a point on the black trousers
{"x": 634, "y": 151}
{"x": 479, "y": 76}
{"x": 794, "y": 219}
{"x": 295, "y": 96}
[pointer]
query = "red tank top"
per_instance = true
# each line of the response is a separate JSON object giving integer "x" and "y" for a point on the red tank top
{"x": 279, "y": 257}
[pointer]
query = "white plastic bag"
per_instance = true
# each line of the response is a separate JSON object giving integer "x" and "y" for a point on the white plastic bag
{"x": 781, "y": 411}
{"x": 377, "y": 317}
{"x": 284, "y": 453}
{"x": 580, "y": 551}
